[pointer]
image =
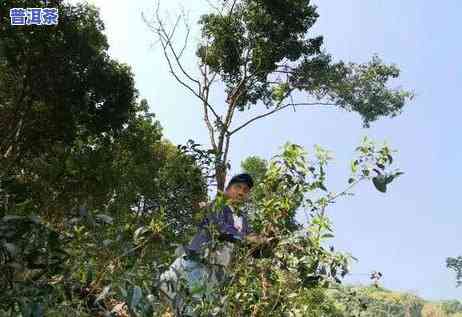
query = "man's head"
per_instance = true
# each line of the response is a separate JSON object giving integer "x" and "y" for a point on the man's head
{"x": 239, "y": 187}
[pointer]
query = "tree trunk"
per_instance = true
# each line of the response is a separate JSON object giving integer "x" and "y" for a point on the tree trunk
{"x": 220, "y": 172}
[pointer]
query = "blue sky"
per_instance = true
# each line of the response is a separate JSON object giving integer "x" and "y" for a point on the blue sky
{"x": 408, "y": 232}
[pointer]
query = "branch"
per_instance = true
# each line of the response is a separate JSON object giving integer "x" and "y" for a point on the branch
{"x": 345, "y": 191}
{"x": 205, "y": 94}
{"x": 232, "y": 7}
{"x": 22, "y": 108}
{"x": 16, "y": 138}
{"x": 186, "y": 39}
{"x": 220, "y": 12}
{"x": 285, "y": 66}
{"x": 225, "y": 157}
{"x": 232, "y": 100}
{"x": 284, "y": 72}
{"x": 161, "y": 31}
{"x": 210, "y": 127}
{"x": 164, "y": 46}
{"x": 165, "y": 40}
{"x": 276, "y": 110}
{"x": 219, "y": 122}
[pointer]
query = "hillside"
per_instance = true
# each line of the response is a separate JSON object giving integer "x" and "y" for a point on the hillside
{"x": 372, "y": 301}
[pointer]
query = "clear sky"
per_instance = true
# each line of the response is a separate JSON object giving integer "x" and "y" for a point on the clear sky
{"x": 408, "y": 232}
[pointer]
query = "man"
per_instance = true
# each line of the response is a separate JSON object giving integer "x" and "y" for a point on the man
{"x": 201, "y": 276}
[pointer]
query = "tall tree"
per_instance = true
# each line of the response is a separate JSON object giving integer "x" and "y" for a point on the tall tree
{"x": 86, "y": 177}
{"x": 261, "y": 52}
{"x": 58, "y": 82}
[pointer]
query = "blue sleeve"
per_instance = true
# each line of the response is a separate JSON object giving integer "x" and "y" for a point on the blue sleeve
{"x": 227, "y": 230}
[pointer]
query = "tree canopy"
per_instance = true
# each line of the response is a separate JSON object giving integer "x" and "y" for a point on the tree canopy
{"x": 58, "y": 83}
{"x": 264, "y": 54}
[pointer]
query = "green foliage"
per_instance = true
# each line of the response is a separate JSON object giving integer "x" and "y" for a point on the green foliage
{"x": 455, "y": 264}
{"x": 361, "y": 88}
{"x": 452, "y": 306}
{"x": 91, "y": 196}
{"x": 59, "y": 83}
{"x": 372, "y": 165}
{"x": 128, "y": 217}
{"x": 296, "y": 264}
{"x": 32, "y": 254}
{"x": 372, "y": 301}
{"x": 262, "y": 47}
{"x": 256, "y": 167}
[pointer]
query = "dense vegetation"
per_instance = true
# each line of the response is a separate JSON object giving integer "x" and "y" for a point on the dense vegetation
{"x": 94, "y": 200}
{"x": 89, "y": 189}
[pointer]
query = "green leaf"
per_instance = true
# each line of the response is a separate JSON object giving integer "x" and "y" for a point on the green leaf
{"x": 354, "y": 166}
{"x": 321, "y": 185}
{"x": 380, "y": 183}
{"x": 391, "y": 177}
{"x": 397, "y": 174}
{"x": 390, "y": 158}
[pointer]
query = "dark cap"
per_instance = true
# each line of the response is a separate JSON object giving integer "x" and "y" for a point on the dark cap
{"x": 242, "y": 178}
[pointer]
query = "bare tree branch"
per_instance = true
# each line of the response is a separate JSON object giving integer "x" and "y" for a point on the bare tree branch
{"x": 220, "y": 11}
{"x": 186, "y": 39}
{"x": 276, "y": 110}
{"x": 172, "y": 70}
{"x": 345, "y": 191}
{"x": 168, "y": 39}
{"x": 165, "y": 38}
{"x": 232, "y": 7}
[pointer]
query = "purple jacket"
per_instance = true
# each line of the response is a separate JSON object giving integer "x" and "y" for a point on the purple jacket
{"x": 225, "y": 224}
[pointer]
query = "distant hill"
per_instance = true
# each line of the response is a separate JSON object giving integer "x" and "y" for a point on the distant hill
{"x": 374, "y": 301}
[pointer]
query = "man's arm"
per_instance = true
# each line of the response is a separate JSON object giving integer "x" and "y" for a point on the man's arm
{"x": 227, "y": 231}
